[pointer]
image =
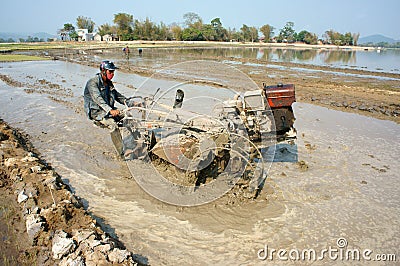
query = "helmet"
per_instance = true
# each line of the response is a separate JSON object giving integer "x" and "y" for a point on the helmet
{"x": 107, "y": 65}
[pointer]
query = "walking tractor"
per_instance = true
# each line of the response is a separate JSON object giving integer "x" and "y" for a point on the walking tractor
{"x": 233, "y": 141}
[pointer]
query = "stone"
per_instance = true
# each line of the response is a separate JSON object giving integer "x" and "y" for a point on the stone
{"x": 82, "y": 249}
{"x": 10, "y": 162}
{"x": 80, "y": 235}
{"x": 118, "y": 256}
{"x": 22, "y": 196}
{"x": 62, "y": 245}
{"x": 104, "y": 248}
{"x": 34, "y": 225}
{"x": 30, "y": 190}
{"x": 29, "y": 159}
{"x": 96, "y": 258}
{"x": 79, "y": 261}
{"x": 36, "y": 169}
{"x": 92, "y": 241}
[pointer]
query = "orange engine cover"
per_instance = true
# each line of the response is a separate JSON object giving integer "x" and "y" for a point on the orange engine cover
{"x": 281, "y": 95}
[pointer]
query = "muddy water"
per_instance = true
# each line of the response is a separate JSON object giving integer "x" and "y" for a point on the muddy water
{"x": 345, "y": 185}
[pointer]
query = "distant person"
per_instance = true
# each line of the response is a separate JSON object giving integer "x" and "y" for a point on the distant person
{"x": 140, "y": 51}
{"x": 126, "y": 51}
{"x": 99, "y": 99}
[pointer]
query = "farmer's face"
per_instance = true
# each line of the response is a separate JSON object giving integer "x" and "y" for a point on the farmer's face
{"x": 110, "y": 74}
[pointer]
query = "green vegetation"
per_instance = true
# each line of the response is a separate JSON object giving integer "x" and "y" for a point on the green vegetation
{"x": 126, "y": 28}
{"x": 19, "y": 57}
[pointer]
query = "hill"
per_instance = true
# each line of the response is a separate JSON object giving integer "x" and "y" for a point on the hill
{"x": 377, "y": 38}
{"x": 17, "y": 35}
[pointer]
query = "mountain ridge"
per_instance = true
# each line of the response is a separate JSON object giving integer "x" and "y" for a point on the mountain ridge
{"x": 17, "y": 35}
{"x": 376, "y": 38}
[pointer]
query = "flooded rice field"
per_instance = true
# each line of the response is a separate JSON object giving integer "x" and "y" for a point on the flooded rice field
{"x": 344, "y": 186}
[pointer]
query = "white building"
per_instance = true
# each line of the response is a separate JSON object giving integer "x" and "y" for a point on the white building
{"x": 84, "y": 35}
{"x": 107, "y": 38}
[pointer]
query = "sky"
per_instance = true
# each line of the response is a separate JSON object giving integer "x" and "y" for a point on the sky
{"x": 317, "y": 16}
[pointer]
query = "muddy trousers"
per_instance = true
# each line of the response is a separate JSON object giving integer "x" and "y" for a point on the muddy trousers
{"x": 116, "y": 137}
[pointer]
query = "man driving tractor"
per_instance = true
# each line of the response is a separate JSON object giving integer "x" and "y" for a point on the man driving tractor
{"x": 99, "y": 99}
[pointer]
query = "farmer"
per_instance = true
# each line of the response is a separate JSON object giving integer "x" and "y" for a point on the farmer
{"x": 99, "y": 98}
{"x": 126, "y": 51}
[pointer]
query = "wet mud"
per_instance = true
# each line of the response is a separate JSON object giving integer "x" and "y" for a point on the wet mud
{"x": 342, "y": 185}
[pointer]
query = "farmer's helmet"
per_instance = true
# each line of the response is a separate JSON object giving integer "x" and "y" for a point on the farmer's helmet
{"x": 107, "y": 65}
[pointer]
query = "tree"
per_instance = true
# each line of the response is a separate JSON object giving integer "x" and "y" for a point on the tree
{"x": 105, "y": 29}
{"x": 268, "y": 32}
{"x": 301, "y": 35}
{"x": 85, "y": 23}
{"x": 176, "y": 31}
{"x": 310, "y": 38}
{"x": 233, "y": 35}
{"x": 67, "y": 31}
{"x": 287, "y": 34}
{"x": 220, "y": 33}
{"x": 245, "y": 30}
{"x": 192, "y": 20}
{"x": 347, "y": 39}
{"x": 355, "y": 38}
{"x": 253, "y": 34}
{"x": 208, "y": 32}
{"x": 163, "y": 32}
{"x": 333, "y": 37}
{"x": 123, "y": 23}
{"x": 192, "y": 34}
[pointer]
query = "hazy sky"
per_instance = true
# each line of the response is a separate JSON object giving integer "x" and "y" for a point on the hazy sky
{"x": 366, "y": 17}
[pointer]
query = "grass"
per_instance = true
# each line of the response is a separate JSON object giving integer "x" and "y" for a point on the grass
{"x": 19, "y": 57}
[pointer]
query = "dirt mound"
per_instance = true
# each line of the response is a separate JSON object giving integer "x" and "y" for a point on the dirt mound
{"x": 41, "y": 221}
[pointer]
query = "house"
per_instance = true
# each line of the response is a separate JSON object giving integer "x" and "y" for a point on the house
{"x": 97, "y": 37}
{"x": 107, "y": 38}
{"x": 84, "y": 35}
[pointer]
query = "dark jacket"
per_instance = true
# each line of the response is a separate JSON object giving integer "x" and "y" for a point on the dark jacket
{"x": 97, "y": 103}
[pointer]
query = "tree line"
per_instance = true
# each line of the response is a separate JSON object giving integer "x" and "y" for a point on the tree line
{"x": 126, "y": 28}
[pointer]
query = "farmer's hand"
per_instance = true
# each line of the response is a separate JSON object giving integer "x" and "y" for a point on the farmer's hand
{"x": 114, "y": 113}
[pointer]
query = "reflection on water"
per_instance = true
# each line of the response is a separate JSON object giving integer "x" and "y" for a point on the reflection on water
{"x": 347, "y": 57}
{"x": 384, "y": 61}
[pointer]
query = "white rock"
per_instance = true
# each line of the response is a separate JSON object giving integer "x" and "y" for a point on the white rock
{"x": 91, "y": 240}
{"x": 36, "y": 169}
{"x": 10, "y": 162}
{"x": 103, "y": 248}
{"x": 80, "y": 235}
{"x": 62, "y": 245}
{"x": 22, "y": 196}
{"x": 29, "y": 159}
{"x": 72, "y": 262}
{"x": 34, "y": 225}
{"x": 118, "y": 256}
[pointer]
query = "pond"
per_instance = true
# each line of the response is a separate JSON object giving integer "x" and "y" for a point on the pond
{"x": 387, "y": 60}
